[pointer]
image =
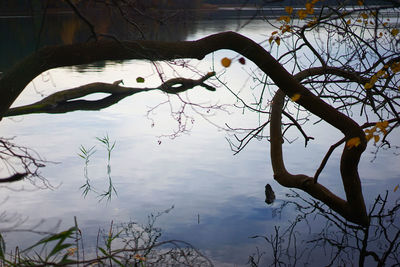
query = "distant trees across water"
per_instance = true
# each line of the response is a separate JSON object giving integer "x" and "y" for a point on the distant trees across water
{"x": 7, "y": 6}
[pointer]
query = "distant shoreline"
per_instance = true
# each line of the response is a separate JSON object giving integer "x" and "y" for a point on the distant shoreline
{"x": 207, "y": 11}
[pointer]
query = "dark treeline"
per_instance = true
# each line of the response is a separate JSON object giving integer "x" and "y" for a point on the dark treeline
{"x": 25, "y": 6}
{"x": 39, "y": 5}
{"x": 297, "y": 3}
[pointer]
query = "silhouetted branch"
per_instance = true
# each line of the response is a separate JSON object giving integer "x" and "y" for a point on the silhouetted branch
{"x": 325, "y": 160}
{"x": 21, "y": 161}
{"x": 63, "y": 101}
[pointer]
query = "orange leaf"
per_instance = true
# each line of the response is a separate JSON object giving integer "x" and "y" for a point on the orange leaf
{"x": 364, "y": 16}
{"x": 226, "y": 62}
{"x": 395, "y": 188}
{"x": 302, "y": 13}
{"x": 353, "y": 142}
{"x": 289, "y": 10}
{"x": 369, "y": 136}
{"x": 382, "y": 125}
{"x": 270, "y": 39}
{"x": 295, "y": 97}
{"x": 370, "y": 131}
{"x": 309, "y": 8}
{"x": 284, "y": 18}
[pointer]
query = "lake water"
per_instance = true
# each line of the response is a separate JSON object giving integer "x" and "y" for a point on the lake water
{"x": 218, "y": 197}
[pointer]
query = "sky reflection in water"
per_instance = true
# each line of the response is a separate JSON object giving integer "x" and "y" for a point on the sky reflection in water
{"x": 218, "y": 197}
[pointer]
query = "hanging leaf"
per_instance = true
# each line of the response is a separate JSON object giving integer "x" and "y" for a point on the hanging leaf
{"x": 289, "y": 10}
{"x": 226, "y": 62}
{"x": 140, "y": 80}
{"x": 242, "y": 61}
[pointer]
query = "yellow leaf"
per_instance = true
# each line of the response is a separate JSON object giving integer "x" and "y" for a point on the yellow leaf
{"x": 364, "y": 16}
{"x": 353, "y": 142}
{"x": 348, "y": 22}
{"x": 394, "y": 32}
{"x": 289, "y": 10}
{"x": 382, "y": 126}
{"x": 270, "y": 39}
{"x": 295, "y": 97}
{"x": 285, "y": 28}
{"x": 395, "y": 188}
{"x": 284, "y": 18}
{"x": 278, "y": 40}
{"x": 376, "y": 138}
{"x": 309, "y": 8}
{"x": 301, "y": 13}
{"x": 274, "y": 32}
{"x": 369, "y": 136}
{"x": 226, "y": 62}
{"x": 370, "y": 131}
{"x": 360, "y": 2}
{"x": 140, "y": 258}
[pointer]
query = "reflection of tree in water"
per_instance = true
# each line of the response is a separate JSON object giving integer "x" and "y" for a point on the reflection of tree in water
{"x": 25, "y": 35}
{"x": 316, "y": 86}
{"x": 318, "y": 237}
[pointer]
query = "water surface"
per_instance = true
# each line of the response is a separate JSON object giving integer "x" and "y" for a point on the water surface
{"x": 218, "y": 198}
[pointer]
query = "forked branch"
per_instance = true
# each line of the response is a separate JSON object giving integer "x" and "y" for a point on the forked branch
{"x": 353, "y": 209}
{"x": 63, "y": 101}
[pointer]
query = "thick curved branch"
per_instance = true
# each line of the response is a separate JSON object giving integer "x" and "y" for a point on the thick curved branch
{"x": 63, "y": 101}
{"x": 14, "y": 81}
{"x": 353, "y": 209}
